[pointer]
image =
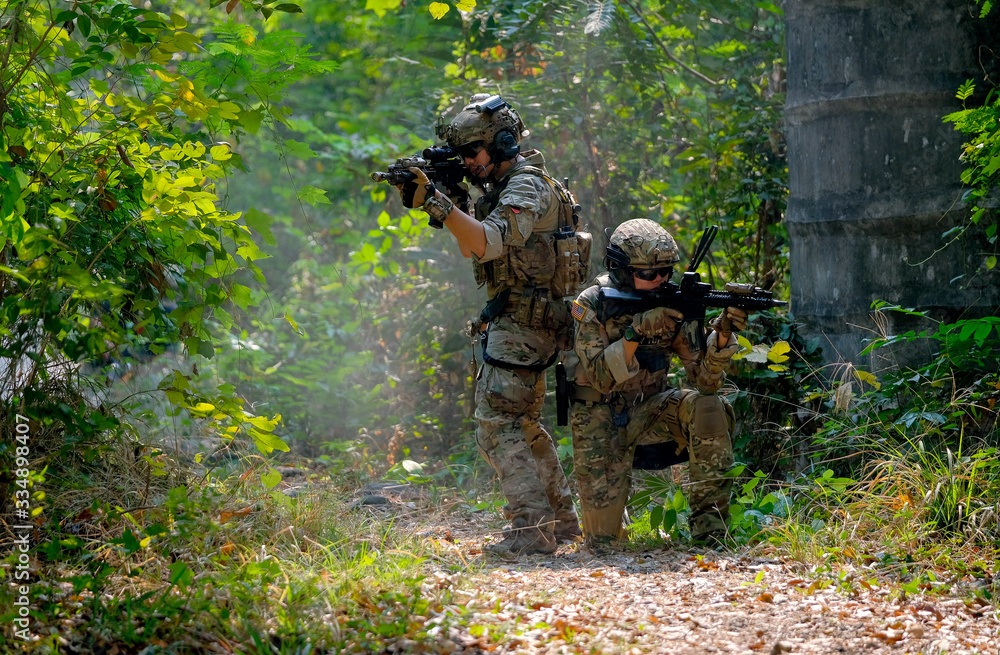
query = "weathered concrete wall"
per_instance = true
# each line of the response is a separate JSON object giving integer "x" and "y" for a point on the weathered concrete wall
{"x": 873, "y": 170}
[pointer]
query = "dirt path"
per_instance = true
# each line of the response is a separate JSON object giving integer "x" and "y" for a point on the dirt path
{"x": 684, "y": 601}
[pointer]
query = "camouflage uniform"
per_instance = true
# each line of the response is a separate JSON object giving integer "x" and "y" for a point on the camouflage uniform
{"x": 523, "y": 339}
{"x": 619, "y": 406}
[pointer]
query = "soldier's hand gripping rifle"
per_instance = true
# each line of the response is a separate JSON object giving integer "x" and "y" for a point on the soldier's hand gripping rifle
{"x": 441, "y": 164}
{"x": 691, "y": 297}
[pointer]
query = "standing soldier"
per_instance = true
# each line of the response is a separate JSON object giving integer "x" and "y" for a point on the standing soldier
{"x": 622, "y": 398}
{"x": 518, "y": 221}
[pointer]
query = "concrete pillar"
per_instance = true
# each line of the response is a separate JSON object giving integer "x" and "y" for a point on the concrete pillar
{"x": 874, "y": 173}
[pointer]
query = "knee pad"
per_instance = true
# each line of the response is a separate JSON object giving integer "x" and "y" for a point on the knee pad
{"x": 710, "y": 417}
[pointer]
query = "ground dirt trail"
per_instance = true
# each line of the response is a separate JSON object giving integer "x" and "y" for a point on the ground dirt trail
{"x": 683, "y": 600}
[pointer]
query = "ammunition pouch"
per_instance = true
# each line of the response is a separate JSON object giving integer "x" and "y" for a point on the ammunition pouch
{"x": 572, "y": 260}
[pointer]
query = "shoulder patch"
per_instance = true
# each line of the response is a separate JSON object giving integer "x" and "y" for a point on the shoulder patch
{"x": 582, "y": 313}
{"x": 515, "y": 209}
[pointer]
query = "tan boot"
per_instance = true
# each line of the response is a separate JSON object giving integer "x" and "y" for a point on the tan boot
{"x": 525, "y": 538}
{"x": 568, "y": 532}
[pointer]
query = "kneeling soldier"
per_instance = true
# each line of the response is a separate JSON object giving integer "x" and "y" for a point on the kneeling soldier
{"x": 622, "y": 398}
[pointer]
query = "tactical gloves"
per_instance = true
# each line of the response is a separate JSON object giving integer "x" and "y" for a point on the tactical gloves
{"x": 659, "y": 322}
{"x": 732, "y": 319}
{"x": 415, "y": 192}
{"x": 716, "y": 358}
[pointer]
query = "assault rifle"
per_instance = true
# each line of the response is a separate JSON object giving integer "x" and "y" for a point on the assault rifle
{"x": 691, "y": 297}
{"x": 440, "y": 164}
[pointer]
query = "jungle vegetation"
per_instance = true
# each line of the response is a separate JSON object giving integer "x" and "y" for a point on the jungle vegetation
{"x": 200, "y": 287}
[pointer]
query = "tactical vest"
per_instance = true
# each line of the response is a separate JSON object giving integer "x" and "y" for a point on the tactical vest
{"x": 558, "y": 260}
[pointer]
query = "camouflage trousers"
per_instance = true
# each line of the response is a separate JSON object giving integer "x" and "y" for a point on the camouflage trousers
{"x": 696, "y": 427}
{"x": 509, "y": 433}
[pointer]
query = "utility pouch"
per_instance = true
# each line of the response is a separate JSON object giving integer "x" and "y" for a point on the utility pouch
{"x": 572, "y": 270}
{"x": 525, "y": 313}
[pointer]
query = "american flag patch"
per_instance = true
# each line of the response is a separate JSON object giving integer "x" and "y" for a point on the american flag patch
{"x": 581, "y": 313}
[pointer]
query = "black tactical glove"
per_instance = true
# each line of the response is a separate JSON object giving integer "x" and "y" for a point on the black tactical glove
{"x": 414, "y": 192}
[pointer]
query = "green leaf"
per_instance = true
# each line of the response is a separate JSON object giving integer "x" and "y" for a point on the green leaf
{"x": 298, "y": 149}
{"x": 241, "y": 295}
{"x": 129, "y": 541}
{"x": 180, "y": 574}
{"x": 767, "y": 6}
{"x": 83, "y": 22}
{"x": 260, "y": 223}
{"x": 295, "y": 326}
{"x": 270, "y": 479}
{"x": 656, "y": 517}
{"x": 313, "y": 196}
{"x": 966, "y": 89}
{"x": 267, "y": 442}
{"x": 288, "y": 7}
{"x": 669, "y": 520}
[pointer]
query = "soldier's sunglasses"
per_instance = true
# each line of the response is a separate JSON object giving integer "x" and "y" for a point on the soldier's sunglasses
{"x": 650, "y": 274}
{"x": 470, "y": 150}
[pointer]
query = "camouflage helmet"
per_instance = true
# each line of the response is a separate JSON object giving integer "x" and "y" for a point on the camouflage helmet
{"x": 481, "y": 120}
{"x": 639, "y": 243}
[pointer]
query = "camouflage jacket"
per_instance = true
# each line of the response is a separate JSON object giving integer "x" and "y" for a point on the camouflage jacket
{"x": 519, "y": 213}
{"x": 601, "y": 351}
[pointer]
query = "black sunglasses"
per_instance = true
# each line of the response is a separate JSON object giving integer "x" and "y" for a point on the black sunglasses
{"x": 470, "y": 150}
{"x": 650, "y": 274}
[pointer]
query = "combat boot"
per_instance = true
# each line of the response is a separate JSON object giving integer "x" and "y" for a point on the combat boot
{"x": 525, "y": 538}
{"x": 568, "y": 532}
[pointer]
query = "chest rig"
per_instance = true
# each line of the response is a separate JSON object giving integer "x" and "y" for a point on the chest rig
{"x": 529, "y": 282}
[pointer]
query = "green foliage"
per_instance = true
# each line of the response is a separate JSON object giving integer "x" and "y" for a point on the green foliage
{"x": 118, "y": 133}
{"x": 660, "y": 508}
{"x": 926, "y": 436}
{"x": 981, "y": 154}
{"x": 777, "y": 390}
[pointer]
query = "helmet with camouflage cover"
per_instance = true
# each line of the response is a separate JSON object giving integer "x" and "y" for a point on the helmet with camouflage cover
{"x": 639, "y": 243}
{"x": 488, "y": 119}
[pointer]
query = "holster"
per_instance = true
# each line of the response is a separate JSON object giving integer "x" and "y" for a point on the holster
{"x": 564, "y": 392}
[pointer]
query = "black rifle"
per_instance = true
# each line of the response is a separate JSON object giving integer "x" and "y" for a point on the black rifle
{"x": 691, "y": 297}
{"x": 442, "y": 166}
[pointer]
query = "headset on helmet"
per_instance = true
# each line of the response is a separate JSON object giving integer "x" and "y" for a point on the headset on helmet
{"x": 638, "y": 243}
{"x": 490, "y": 119}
